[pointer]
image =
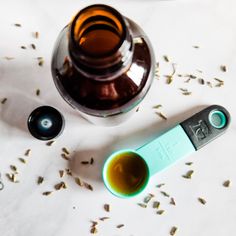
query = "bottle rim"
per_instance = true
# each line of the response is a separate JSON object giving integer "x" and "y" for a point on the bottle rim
{"x": 113, "y": 13}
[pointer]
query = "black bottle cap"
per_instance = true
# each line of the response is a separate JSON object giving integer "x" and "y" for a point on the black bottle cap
{"x": 45, "y": 123}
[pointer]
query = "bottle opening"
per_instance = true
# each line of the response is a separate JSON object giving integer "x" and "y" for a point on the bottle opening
{"x": 98, "y": 30}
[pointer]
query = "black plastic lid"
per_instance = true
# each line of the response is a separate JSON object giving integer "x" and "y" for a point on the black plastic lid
{"x": 45, "y": 123}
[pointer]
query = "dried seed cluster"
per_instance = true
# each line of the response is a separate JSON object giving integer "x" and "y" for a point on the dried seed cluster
{"x": 81, "y": 183}
{"x": 12, "y": 177}
{"x": 159, "y": 113}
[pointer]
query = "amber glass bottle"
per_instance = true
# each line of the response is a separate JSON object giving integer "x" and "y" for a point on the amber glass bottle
{"x": 103, "y": 64}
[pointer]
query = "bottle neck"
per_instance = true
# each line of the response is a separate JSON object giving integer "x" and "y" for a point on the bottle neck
{"x": 100, "y": 44}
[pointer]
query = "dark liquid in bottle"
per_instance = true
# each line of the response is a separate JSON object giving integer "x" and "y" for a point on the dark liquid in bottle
{"x": 104, "y": 95}
{"x": 98, "y": 67}
{"x": 99, "y": 40}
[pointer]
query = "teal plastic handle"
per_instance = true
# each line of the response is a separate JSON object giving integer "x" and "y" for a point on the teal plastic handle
{"x": 166, "y": 149}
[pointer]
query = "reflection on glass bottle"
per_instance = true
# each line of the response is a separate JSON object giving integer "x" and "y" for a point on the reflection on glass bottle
{"x": 103, "y": 65}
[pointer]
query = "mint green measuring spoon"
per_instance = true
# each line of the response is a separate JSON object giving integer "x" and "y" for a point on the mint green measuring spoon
{"x": 176, "y": 143}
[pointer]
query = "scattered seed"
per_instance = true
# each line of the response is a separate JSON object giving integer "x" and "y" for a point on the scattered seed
{"x": 188, "y": 163}
{"x": 219, "y": 85}
{"x": 17, "y": 25}
{"x": 180, "y": 75}
{"x": 170, "y": 77}
{"x": 165, "y": 194}
{"x": 157, "y": 106}
{"x": 68, "y": 172}
{"x": 33, "y": 46}
{"x": 120, "y": 226}
{"x": 160, "y": 114}
{"x": 196, "y": 46}
{"x": 142, "y": 205}
{"x": 11, "y": 177}
{"x": 188, "y": 175}
{"x": 172, "y": 201}
{"x": 4, "y": 100}
{"x": 107, "y": 207}
{"x": 36, "y": 34}
{"x": 9, "y": 58}
{"x": 93, "y": 230}
{"x": 219, "y": 80}
{"x": 137, "y": 109}
{"x": 64, "y": 156}
{"x": 27, "y": 152}
{"x": 91, "y": 160}
{"x": 223, "y": 68}
{"x": 22, "y": 160}
{"x": 61, "y": 173}
{"x": 148, "y": 198}
{"x": 47, "y": 193}
{"x": 13, "y": 168}
{"x": 187, "y": 93}
{"x": 79, "y": 182}
{"x": 157, "y": 70}
{"x": 60, "y": 185}
{"x": 183, "y": 89}
{"x": 84, "y": 162}
{"x": 40, "y": 180}
{"x": 160, "y": 212}
{"x": 202, "y": 201}
{"x": 94, "y": 223}
{"x": 156, "y": 204}
{"x": 166, "y": 58}
{"x": 104, "y": 218}
{"x": 88, "y": 186}
{"x": 65, "y": 150}
{"x": 160, "y": 185}
{"x": 187, "y": 75}
{"x": 187, "y": 81}
{"x": 173, "y": 230}
{"x": 201, "y": 81}
{"x": 37, "y": 92}
{"x": 50, "y": 143}
{"x": 192, "y": 76}
{"x": 41, "y": 62}
{"x": 39, "y": 58}
{"x": 226, "y": 183}
{"x": 23, "y": 47}
{"x": 209, "y": 84}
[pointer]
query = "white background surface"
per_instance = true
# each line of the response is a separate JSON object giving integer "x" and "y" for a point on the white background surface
{"x": 173, "y": 27}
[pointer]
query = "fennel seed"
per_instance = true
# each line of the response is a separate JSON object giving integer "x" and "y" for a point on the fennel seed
{"x": 226, "y": 183}
{"x": 107, "y": 207}
{"x": 173, "y": 230}
{"x": 202, "y": 201}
